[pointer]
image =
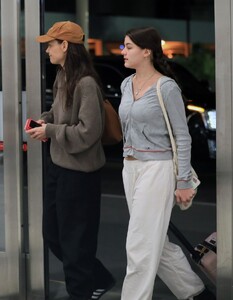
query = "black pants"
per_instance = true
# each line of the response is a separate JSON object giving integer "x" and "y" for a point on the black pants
{"x": 71, "y": 216}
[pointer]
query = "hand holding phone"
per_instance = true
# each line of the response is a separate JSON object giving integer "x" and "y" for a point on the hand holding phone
{"x": 30, "y": 123}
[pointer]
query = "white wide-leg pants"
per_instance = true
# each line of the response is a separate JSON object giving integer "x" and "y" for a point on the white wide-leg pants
{"x": 149, "y": 188}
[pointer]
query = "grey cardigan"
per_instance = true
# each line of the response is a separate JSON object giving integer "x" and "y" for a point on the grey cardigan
{"x": 144, "y": 129}
{"x": 76, "y": 132}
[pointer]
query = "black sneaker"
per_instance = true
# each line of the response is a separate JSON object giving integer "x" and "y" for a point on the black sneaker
{"x": 205, "y": 295}
{"x": 99, "y": 292}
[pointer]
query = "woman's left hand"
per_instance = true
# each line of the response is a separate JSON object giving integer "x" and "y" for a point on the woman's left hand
{"x": 184, "y": 195}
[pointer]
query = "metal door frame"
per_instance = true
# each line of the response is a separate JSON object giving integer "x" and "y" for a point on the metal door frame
{"x": 224, "y": 105}
{"x": 12, "y": 282}
{"x": 22, "y": 270}
{"x": 35, "y": 270}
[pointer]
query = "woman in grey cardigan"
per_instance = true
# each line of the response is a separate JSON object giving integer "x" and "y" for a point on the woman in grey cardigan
{"x": 74, "y": 124}
{"x": 148, "y": 174}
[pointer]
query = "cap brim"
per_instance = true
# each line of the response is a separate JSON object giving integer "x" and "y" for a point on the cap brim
{"x": 44, "y": 39}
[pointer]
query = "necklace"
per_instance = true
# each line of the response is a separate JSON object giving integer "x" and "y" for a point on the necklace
{"x": 137, "y": 91}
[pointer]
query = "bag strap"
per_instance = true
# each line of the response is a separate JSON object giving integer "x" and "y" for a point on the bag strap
{"x": 179, "y": 235}
{"x": 173, "y": 143}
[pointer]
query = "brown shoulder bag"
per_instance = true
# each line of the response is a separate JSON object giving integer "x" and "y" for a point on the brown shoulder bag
{"x": 112, "y": 133}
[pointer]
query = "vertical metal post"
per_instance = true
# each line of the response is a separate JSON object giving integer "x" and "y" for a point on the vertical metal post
{"x": 34, "y": 157}
{"x": 224, "y": 101}
{"x": 82, "y": 16}
{"x": 12, "y": 282}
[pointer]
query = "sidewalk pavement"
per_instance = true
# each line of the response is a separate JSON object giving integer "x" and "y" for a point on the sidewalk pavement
{"x": 196, "y": 224}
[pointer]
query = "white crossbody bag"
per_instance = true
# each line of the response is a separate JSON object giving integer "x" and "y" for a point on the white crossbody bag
{"x": 195, "y": 180}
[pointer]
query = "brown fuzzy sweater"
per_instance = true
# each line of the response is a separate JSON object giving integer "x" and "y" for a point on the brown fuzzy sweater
{"x": 76, "y": 132}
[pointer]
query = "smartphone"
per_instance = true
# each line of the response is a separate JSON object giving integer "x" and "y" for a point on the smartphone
{"x": 31, "y": 124}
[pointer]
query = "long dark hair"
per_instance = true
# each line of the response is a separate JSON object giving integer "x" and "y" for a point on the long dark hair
{"x": 149, "y": 38}
{"x": 78, "y": 64}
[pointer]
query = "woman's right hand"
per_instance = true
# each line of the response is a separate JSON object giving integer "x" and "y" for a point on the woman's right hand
{"x": 184, "y": 195}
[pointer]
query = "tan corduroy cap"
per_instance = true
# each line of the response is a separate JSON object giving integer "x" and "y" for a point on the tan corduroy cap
{"x": 65, "y": 31}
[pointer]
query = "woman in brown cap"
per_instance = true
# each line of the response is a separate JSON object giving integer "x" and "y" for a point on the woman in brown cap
{"x": 74, "y": 124}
